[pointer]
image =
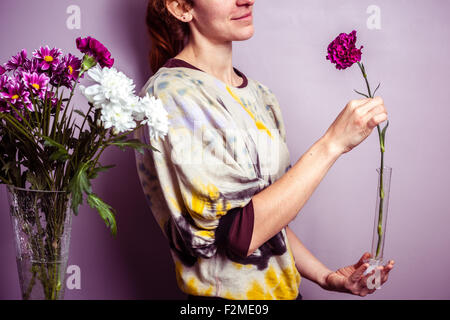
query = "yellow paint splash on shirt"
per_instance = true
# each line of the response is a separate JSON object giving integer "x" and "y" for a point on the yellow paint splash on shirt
{"x": 205, "y": 234}
{"x": 257, "y": 292}
{"x": 258, "y": 123}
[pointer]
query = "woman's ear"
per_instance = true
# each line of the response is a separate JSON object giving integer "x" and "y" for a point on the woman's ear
{"x": 179, "y": 9}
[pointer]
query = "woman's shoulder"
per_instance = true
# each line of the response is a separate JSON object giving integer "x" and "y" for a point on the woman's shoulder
{"x": 166, "y": 80}
{"x": 264, "y": 91}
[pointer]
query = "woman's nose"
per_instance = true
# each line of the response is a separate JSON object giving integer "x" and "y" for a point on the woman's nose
{"x": 245, "y": 2}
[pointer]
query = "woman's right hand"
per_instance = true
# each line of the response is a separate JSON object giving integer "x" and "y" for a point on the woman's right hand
{"x": 356, "y": 122}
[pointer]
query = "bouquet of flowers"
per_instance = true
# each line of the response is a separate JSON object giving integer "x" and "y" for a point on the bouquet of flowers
{"x": 47, "y": 145}
{"x": 342, "y": 52}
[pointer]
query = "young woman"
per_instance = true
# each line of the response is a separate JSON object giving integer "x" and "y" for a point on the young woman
{"x": 222, "y": 187}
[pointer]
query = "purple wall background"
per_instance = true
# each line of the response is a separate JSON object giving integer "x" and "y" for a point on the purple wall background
{"x": 409, "y": 55}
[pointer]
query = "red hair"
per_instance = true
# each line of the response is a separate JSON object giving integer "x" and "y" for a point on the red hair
{"x": 168, "y": 35}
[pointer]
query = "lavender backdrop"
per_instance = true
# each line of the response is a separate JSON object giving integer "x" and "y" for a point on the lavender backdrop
{"x": 408, "y": 54}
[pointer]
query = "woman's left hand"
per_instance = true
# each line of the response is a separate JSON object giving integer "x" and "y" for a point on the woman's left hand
{"x": 351, "y": 279}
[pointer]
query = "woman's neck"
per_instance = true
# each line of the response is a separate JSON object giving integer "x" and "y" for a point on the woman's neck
{"x": 215, "y": 59}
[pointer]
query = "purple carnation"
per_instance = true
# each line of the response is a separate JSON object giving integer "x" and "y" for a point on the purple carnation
{"x": 17, "y": 61}
{"x": 343, "y": 52}
{"x": 95, "y": 49}
{"x": 48, "y": 58}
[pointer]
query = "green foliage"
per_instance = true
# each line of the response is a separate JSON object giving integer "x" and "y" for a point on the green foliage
{"x": 105, "y": 211}
{"x": 45, "y": 149}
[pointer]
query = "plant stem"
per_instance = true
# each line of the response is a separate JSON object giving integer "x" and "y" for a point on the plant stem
{"x": 381, "y": 195}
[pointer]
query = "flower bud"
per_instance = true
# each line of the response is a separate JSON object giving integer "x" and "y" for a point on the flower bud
{"x": 88, "y": 62}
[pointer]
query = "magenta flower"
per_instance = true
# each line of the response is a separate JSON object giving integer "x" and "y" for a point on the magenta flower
{"x": 67, "y": 72}
{"x": 48, "y": 58}
{"x": 343, "y": 52}
{"x": 17, "y": 61}
{"x": 72, "y": 66}
{"x": 37, "y": 83}
{"x": 31, "y": 65}
{"x": 4, "y": 79}
{"x": 94, "y": 49}
{"x": 2, "y": 70}
{"x": 16, "y": 94}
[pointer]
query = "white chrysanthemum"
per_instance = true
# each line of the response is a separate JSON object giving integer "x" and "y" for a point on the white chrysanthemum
{"x": 112, "y": 87}
{"x": 152, "y": 112}
{"x": 114, "y": 115}
{"x": 113, "y": 94}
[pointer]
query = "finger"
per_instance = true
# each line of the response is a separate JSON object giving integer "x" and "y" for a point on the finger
{"x": 372, "y": 291}
{"x": 385, "y": 272}
{"x": 355, "y": 104}
{"x": 356, "y": 276}
{"x": 369, "y": 104}
{"x": 363, "y": 258}
{"x": 375, "y": 119}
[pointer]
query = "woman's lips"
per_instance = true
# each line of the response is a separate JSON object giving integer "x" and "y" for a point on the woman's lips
{"x": 247, "y": 16}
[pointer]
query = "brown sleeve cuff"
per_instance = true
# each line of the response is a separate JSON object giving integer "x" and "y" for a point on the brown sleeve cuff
{"x": 235, "y": 230}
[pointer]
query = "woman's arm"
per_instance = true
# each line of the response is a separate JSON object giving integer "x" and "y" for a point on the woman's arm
{"x": 350, "y": 279}
{"x": 278, "y": 204}
{"x": 307, "y": 264}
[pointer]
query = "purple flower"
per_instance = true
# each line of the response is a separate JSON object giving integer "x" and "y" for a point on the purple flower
{"x": 72, "y": 66}
{"x": 16, "y": 94}
{"x": 31, "y": 65}
{"x": 2, "y": 70}
{"x": 17, "y": 61}
{"x": 35, "y": 82}
{"x": 96, "y": 50}
{"x": 343, "y": 52}
{"x": 4, "y": 80}
{"x": 48, "y": 58}
{"x": 67, "y": 71}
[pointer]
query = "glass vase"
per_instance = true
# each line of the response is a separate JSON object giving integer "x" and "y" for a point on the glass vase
{"x": 381, "y": 215}
{"x": 41, "y": 222}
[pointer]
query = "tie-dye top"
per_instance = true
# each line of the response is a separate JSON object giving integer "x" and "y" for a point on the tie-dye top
{"x": 224, "y": 145}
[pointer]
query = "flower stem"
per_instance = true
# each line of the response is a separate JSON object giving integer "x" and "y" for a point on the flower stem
{"x": 381, "y": 189}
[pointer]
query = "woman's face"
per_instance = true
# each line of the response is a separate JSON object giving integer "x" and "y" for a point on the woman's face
{"x": 221, "y": 20}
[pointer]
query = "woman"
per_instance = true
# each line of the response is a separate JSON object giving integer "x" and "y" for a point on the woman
{"x": 222, "y": 188}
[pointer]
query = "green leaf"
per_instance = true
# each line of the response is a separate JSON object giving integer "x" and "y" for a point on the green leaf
{"x": 365, "y": 95}
{"x": 105, "y": 211}
{"x": 79, "y": 112}
{"x": 61, "y": 154}
{"x": 133, "y": 143}
{"x": 78, "y": 185}
{"x": 34, "y": 180}
{"x": 383, "y": 132}
{"x": 373, "y": 94}
{"x": 98, "y": 169}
